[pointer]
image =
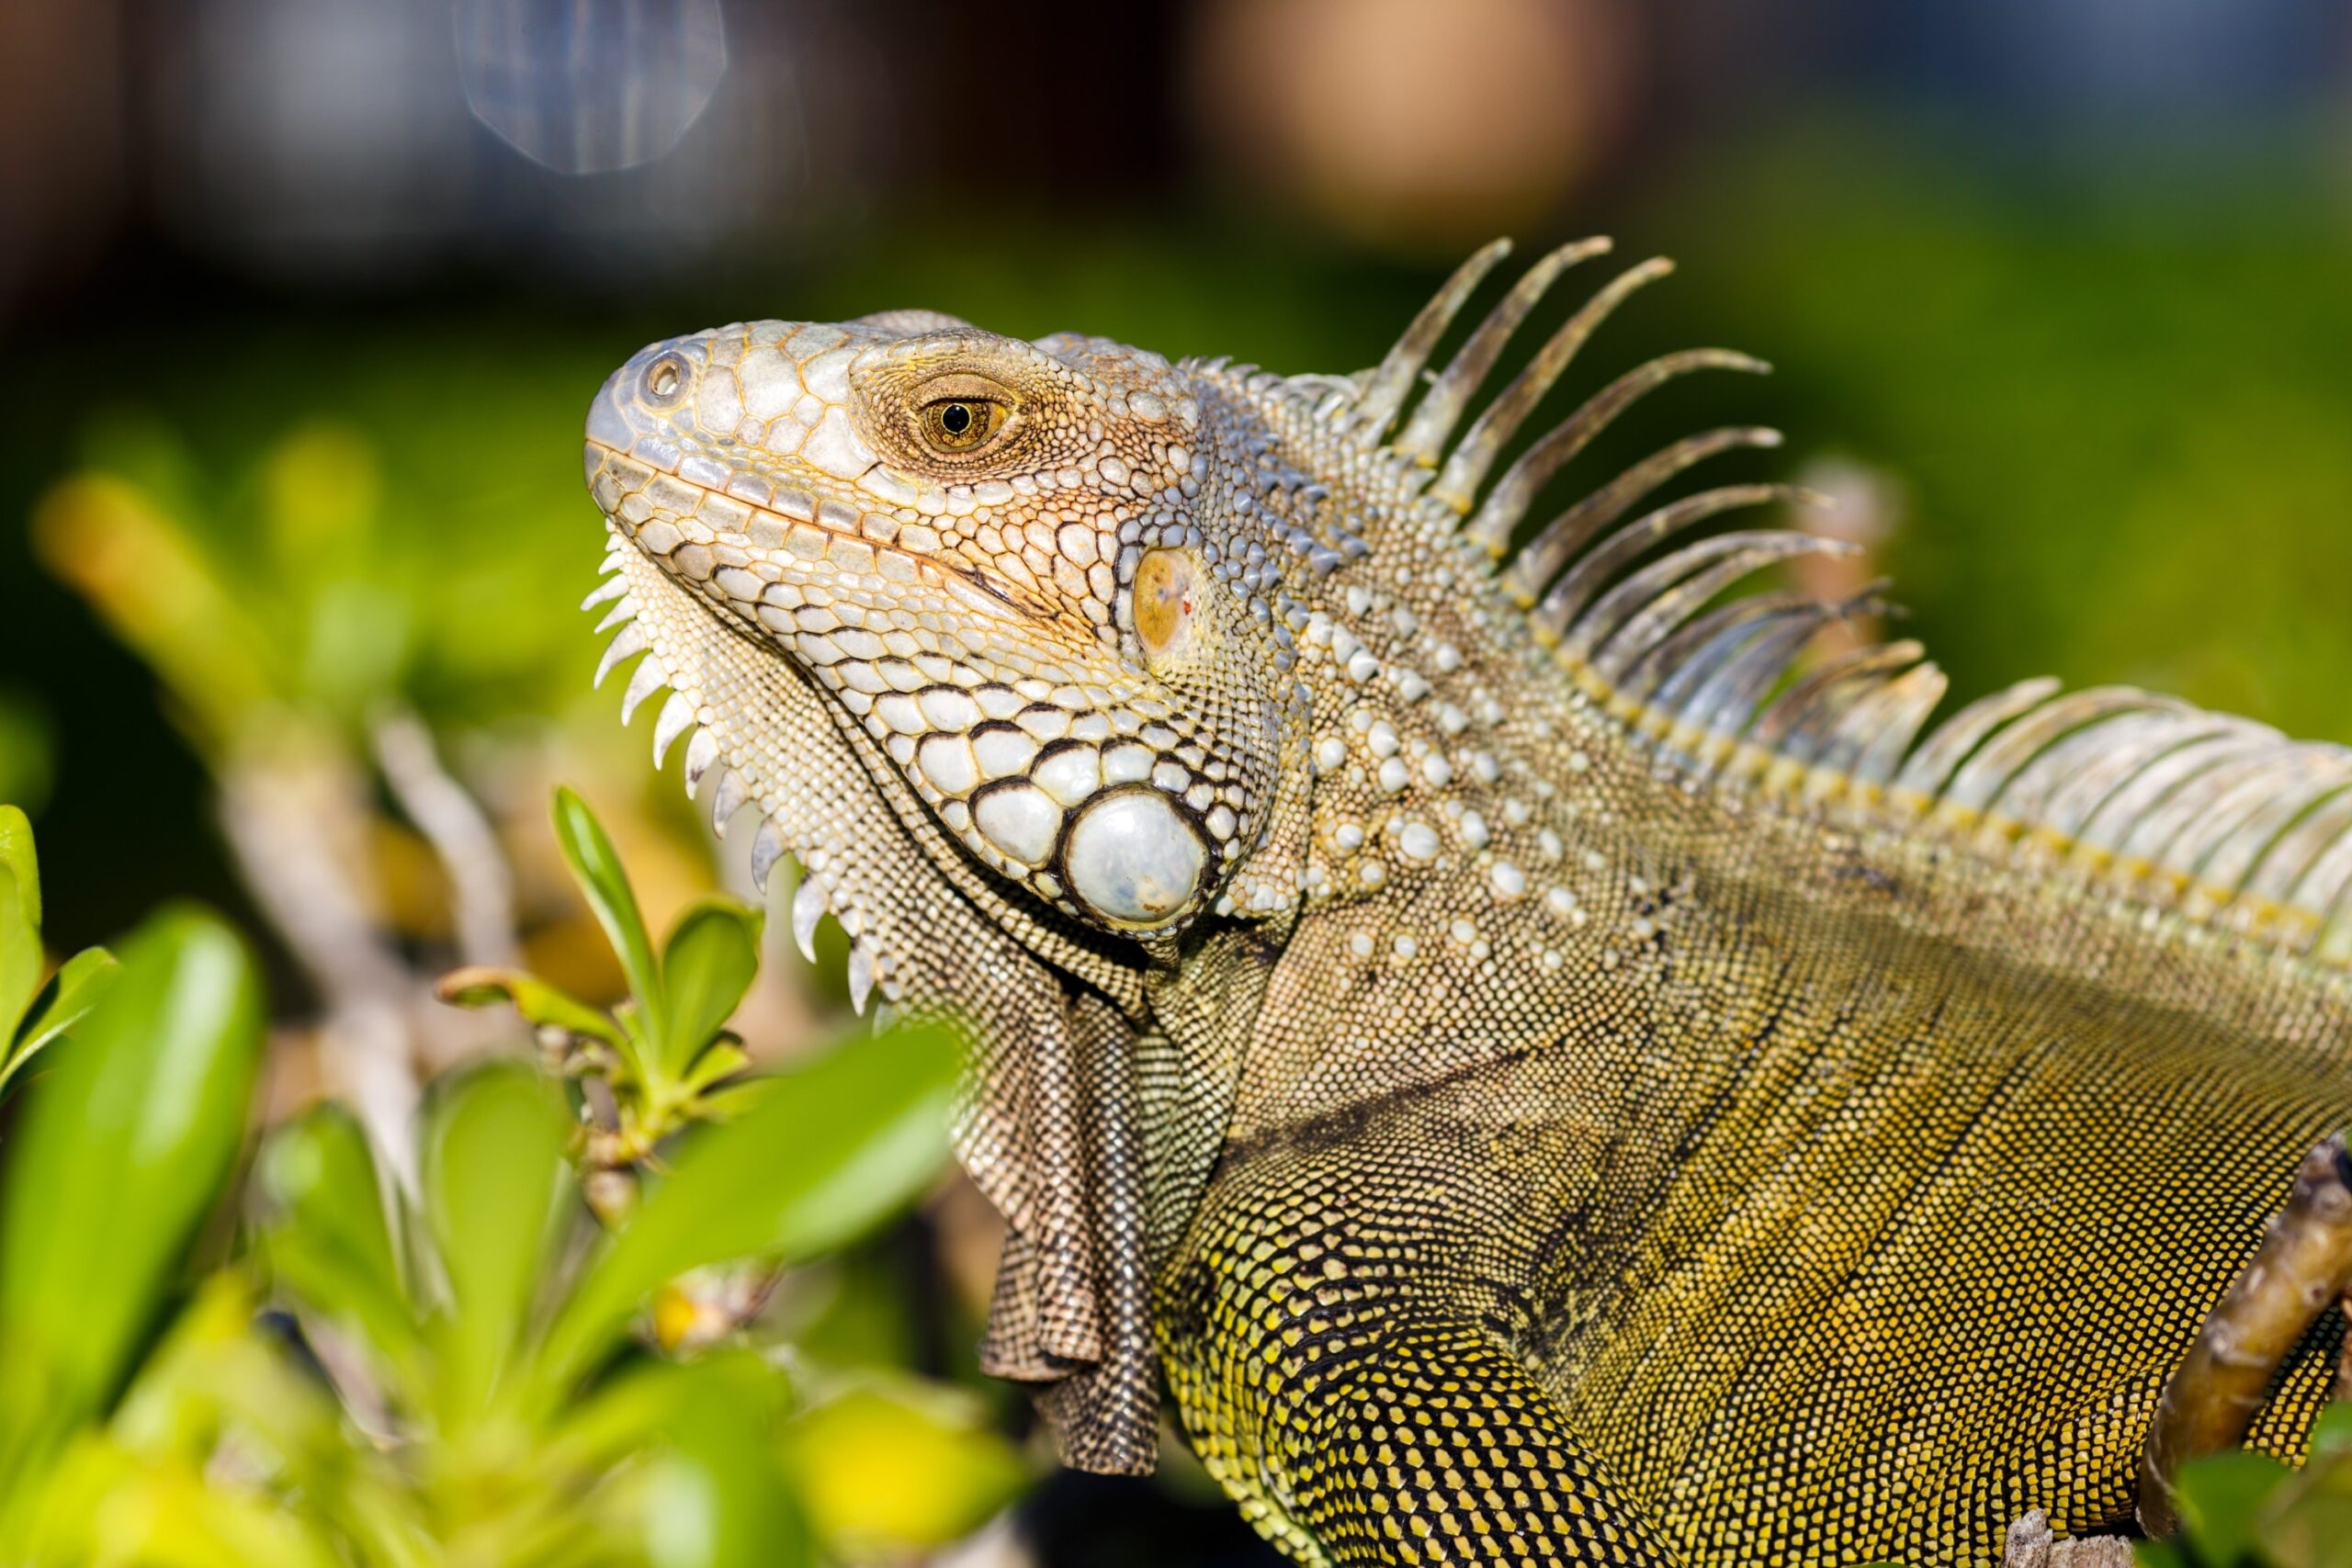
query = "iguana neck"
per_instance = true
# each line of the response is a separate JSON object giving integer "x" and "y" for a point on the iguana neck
{"x": 1469, "y": 860}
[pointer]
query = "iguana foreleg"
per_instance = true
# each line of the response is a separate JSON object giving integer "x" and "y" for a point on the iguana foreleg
{"x": 1342, "y": 1357}
{"x": 2303, "y": 1265}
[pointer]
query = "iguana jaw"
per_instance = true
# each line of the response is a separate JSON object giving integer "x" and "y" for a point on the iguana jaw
{"x": 974, "y": 614}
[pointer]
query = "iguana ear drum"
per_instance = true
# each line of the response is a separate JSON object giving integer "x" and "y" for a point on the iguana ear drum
{"x": 1134, "y": 859}
{"x": 1166, "y": 585}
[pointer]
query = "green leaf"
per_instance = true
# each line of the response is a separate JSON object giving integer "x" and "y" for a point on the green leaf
{"x": 493, "y": 1176}
{"x": 709, "y": 962}
{"x": 2331, "y": 1436}
{"x": 605, "y": 884}
{"x": 829, "y": 1150}
{"x": 716, "y": 1496}
{"x": 64, "y": 1002}
{"x": 325, "y": 1236}
{"x": 538, "y": 1002}
{"x": 853, "y": 1454}
{"x": 725, "y": 1058}
{"x": 2221, "y": 1496}
{"x": 20, "y": 951}
{"x": 718, "y": 1492}
{"x": 17, "y": 854}
{"x": 123, "y": 1150}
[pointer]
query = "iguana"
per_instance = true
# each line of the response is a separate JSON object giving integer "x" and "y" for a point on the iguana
{"x": 1536, "y": 1066}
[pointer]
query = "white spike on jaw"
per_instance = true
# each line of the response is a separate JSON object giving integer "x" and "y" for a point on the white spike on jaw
{"x": 728, "y": 799}
{"x": 861, "y": 974}
{"x": 610, "y": 589}
{"x": 701, "y": 752}
{"x": 620, "y": 614}
{"x": 676, "y": 718}
{"x": 630, "y": 639}
{"x": 648, "y": 678}
{"x": 807, "y": 908}
{"x": 886, "y": 1016}
{"x": 767, "y": 848}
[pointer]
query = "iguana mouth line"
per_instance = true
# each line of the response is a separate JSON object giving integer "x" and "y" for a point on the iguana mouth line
{"x": 665, "y": 511}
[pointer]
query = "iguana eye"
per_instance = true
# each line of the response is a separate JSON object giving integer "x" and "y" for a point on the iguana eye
{"x": 960, "y": 424}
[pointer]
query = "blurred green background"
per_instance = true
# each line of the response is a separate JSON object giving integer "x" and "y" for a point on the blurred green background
{"x": 302, "y": 302}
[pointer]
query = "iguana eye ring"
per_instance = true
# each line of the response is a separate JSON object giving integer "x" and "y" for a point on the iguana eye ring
{"x": 665, "y": 380}
{"x": 960, "y": 426}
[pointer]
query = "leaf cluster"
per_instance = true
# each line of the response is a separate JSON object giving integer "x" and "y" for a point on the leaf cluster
{"x": 349, "y": 1354}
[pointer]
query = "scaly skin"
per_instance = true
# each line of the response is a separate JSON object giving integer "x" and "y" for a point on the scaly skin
{"x": 1537, "y": 1087}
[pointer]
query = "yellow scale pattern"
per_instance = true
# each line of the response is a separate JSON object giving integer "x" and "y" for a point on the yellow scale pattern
{"x": 1877, "y": 1241}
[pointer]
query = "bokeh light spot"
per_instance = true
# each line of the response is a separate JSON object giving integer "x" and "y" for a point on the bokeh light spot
{"x": 589, "y": 88}
{"x": 1418, "y": 127}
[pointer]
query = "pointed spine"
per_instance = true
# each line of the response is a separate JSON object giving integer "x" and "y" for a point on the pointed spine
{"x": 2214, "y": 792}
{"x": 630, "y": 639}
{"x": 1728, "y": 557}
{"x": 701, "y": 752}
{"x": 1801, "y": 718}
{"x": 1978, "y": 784}
{"x": 1393, "y": 382}
{"x": 648, "y": 678}
{"x": 807, "y": 908}
{"x": 677, "y": 717}
{"x": 2108, "y": 828}
{"x": 2326, "y": 886}
{"x": 767, "y": 848}
{"x": 2124, "y": 748}
{"x": 1729, "y": 629}
{"x": 731, "y": 796}
{"x": 1440, "y": 408}
{"x": 1725, "y": 705}
{"x": 2226, "y": 855}
{"x": 1465, "y": 470}
{"x": 1571, "y": 531}
{"x": 1516, "y": 490}
{"x": 1915, "y": 696}
{"x": 2288, "y": 859}
{"x": 860, "y": 975}
{"x": 1923, "y": 776}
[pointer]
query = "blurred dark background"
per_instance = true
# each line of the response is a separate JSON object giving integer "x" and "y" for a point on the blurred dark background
{"x": 301, "y": 301}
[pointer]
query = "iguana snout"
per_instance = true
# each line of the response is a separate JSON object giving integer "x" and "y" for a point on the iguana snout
{"x": 1005, "y": 560}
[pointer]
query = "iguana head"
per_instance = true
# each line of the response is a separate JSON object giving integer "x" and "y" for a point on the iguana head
{"x": 1010, "y": 566}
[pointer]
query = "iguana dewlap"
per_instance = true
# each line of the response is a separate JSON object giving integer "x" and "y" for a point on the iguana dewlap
{"x": 1538, "y": 1068}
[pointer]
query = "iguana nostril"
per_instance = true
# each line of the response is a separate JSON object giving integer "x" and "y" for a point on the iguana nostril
{"x": 665, "y": 378}
{"x": 1135, "y": 859}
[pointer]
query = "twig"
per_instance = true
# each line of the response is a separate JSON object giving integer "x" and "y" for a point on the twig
{"x": 295, "y": 820}
{"x": 480, "y": 889}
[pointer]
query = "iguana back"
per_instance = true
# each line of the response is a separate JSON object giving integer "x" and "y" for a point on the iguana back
{"x": 1554, "y": 1071}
